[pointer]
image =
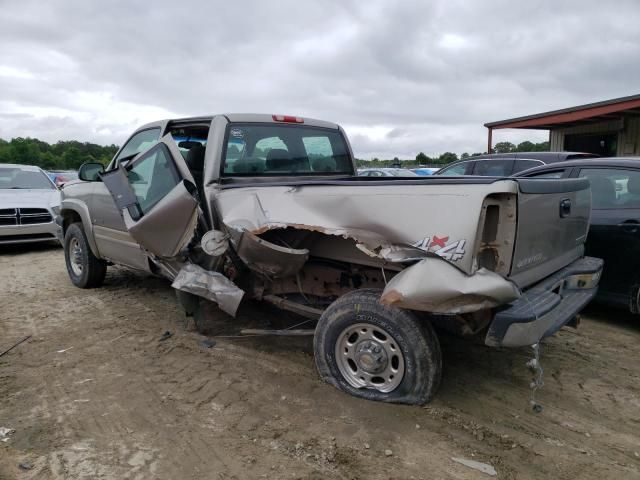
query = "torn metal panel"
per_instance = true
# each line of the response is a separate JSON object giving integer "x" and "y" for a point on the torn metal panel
{"x": 396, "y": 216}
{"x": 433, "y": 285}
{"x": 211, "y": 285}
{"x": 268, "y": 258}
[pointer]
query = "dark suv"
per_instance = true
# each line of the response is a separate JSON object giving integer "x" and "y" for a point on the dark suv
{"x": 505, "y": 164}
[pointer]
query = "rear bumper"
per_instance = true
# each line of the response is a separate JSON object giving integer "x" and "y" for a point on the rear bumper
{"x": 546, "y": 307}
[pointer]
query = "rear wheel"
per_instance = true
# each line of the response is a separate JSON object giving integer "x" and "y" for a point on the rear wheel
{"x": 84, "y": 268}
{"x": 377, "y": 352}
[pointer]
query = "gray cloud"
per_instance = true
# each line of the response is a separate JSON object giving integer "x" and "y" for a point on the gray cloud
{"x": 402, "y": 77}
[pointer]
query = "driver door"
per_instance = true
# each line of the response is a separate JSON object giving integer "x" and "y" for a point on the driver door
{"x": 157, "y": 198}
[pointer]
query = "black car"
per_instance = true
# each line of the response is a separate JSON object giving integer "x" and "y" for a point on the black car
{"x": 506, "y": 164}
{"x": 614, "y": 235}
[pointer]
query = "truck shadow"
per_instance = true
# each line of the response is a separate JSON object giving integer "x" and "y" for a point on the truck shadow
{"x": 27, "y": 248}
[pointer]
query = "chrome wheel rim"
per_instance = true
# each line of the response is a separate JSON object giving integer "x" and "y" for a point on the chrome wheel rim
{"x": 368, "y": 357}
{"x": 75, "y": 256}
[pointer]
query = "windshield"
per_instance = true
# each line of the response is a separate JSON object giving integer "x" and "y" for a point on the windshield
{"x": 13, "y": 177}
{"x": 277, "y": 150}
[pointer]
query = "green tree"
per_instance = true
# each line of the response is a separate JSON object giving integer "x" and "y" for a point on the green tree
{"x": 422, "y": 158}
{"x": 504, "y": 147}
{"x": 62, "y": 155}
{"x": 447, "y": 157}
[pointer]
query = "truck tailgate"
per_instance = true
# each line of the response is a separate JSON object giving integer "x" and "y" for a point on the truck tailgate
{"x": 553, "y": 221}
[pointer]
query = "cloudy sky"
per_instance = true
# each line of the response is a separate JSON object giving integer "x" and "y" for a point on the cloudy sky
{"x": 400, "y": 76}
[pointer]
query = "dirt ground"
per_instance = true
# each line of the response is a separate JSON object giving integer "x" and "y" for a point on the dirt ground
{"x": 95, "y": 394}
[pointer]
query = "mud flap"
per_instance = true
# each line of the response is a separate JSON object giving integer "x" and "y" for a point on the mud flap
{"x": 210, "y": 285}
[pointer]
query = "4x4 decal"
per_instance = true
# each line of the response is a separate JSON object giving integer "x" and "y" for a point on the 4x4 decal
{"x": 452, "y": 251}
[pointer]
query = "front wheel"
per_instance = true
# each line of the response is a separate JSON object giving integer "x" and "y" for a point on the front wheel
{"x": 84, "y": 268}
{"x": 377, "y": 352}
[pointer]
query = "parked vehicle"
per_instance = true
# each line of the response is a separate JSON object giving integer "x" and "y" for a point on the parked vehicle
{"x": 271, "y": 208}
{"x": 505, "y": 164}
{"x": 29, "y": 202}
{"x": 424, "y": 171}
{"x": 614, "y": 234}
{"x": 386, "y": 172}
{"x": 60, "y": 177}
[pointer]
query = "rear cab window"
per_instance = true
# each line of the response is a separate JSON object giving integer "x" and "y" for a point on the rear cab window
{"x": 254, "y": 149}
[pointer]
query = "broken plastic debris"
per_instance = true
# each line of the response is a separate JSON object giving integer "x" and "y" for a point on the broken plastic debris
{"x": 166, "y": 335}
{"x": 208, "y": 343}
{"x": 64, "y": 350}
{"x": 481, "y": 467}
{"x": 211, "y": 285}
{"x": 5, "y": 433}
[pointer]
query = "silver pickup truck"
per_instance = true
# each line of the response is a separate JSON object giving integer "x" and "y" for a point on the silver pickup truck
{"x": 269, "y": 207}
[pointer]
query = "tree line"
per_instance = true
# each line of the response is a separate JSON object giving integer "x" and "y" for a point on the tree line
{"x": 63, "y": 155}
{"x": 448, "y": 157}
{"x": 69, "y": 155}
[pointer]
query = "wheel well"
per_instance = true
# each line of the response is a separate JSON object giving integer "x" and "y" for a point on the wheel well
{"x": 69, "y": 217}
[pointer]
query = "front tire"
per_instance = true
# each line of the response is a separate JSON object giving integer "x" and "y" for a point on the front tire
{"x": 377, "y": 352}
{"x": 84, "y": 268}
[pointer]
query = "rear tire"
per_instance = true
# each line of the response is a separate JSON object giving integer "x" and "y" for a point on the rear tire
{"x": 377, "y": 352}
{"x": 84, "y": 268}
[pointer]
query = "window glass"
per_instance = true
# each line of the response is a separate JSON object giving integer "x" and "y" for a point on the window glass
{"x": 187, "y": 142}
{"x": 613, "y": 188}
{"x": 493, "y": 168}
{"x": 463, "y": 168}
{"x": 274, "y": 149}
{"x": 522, "y": 165}
{"x": 554, "y": 174}
{"x": 19, "y": 179}
{"x": 140, "y": 142}
{"x": 152, "y": 177}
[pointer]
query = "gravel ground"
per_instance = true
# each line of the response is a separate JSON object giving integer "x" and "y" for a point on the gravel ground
{"x": 95, "y": 394}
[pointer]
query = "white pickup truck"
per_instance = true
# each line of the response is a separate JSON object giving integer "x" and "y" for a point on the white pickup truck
{"x": 269, "y": 207}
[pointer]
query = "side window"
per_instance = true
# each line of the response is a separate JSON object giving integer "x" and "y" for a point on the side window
{"x": 553, "y": 174}
{"x": 522, "y": 165}
{"x": 463, "y": 168}
{"x": 152, "y": 177}
{"x": 613, "y": 188}
{"x": 493, "y": 168}
{"x": 140, "y": 142}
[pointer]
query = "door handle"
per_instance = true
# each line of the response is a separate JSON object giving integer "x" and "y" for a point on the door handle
{"x": 630, "y": 226}
{"x": 565, "y": 208}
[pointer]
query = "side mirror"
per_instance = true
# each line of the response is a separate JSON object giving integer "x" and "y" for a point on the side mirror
{"x": 90, "y": 172}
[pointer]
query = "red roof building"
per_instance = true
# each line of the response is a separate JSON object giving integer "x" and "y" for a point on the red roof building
{"x": 608, "y": 128}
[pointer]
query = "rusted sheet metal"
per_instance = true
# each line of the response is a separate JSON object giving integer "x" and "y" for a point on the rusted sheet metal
{"x": 211, "y": 285}
{"x": 432, "y": 285}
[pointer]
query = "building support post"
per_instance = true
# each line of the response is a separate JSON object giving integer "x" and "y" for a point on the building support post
{"x": 489, "y": 139}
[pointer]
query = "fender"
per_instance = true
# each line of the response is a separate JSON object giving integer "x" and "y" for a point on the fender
{"x": 73, "y": 205}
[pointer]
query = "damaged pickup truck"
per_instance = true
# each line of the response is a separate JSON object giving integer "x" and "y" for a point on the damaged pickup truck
{"x": 270, "y": 208}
